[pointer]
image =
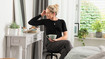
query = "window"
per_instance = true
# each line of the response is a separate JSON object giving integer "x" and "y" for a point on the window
{"x": 91, "y": 10}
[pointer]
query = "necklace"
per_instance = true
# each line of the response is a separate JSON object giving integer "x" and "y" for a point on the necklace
{"x": 54, "y": 23}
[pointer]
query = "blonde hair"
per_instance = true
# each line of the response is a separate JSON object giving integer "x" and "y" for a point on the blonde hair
{"x": 53, "y": 8}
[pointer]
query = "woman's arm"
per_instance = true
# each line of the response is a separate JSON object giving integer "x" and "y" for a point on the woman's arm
{"x": 64, "y": 30}
{"x": 34, "y": 21}
{"x": 64, "y": 37}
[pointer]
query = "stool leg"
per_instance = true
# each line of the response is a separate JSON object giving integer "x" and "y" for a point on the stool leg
{"x": 47, "y": 56}
{"x": 51, "y": 55}
{"x": 56, "y": 57}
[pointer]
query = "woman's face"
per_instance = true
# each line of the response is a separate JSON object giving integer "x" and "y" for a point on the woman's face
{"x": 49, "y": 14}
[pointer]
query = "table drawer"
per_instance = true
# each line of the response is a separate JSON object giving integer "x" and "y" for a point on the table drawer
{"x": 29, "y": 40}
{"x": 15, "y": 40}
{"x": 38, "y": 37}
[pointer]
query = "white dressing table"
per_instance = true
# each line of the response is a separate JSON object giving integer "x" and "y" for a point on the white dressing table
{"x": 22, "y": 41}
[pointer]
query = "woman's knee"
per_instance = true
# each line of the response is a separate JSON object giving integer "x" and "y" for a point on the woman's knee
{"x": 68, "y": 44}
{"x": 67, "y": 41}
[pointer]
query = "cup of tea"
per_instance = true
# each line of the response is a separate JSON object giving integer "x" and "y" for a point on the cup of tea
{"x": 52, "y": 36}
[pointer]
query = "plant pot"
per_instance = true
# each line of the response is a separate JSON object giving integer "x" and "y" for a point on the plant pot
{"x": 98, "y": 34}
{"x": 13, "y": 31}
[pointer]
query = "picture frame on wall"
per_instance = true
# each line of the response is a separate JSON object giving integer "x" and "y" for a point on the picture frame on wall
{"x": 76, "y": 29}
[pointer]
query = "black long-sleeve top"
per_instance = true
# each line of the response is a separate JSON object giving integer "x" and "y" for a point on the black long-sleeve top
{"x": 52, "y": 27}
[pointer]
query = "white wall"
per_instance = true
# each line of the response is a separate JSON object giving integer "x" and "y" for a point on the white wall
{"x": 66, "y": 12}
{"x": 5, "y": 19}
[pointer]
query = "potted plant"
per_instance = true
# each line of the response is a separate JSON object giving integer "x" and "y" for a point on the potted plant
{"x": 14, "y": 29}
{"x": 98, "y": 26}
{"x": 83, "y": 32}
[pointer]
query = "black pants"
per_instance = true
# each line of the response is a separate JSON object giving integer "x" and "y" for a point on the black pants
{"x": 62, "y": 47}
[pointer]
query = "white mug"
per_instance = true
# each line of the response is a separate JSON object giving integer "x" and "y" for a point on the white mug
{"x": 52, "y": 36}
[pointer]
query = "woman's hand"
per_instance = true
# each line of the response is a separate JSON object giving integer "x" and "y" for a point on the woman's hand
{"x": 55, "y": 40}
{"x": 52, "y": 40}
{"x": 43, "y": 13}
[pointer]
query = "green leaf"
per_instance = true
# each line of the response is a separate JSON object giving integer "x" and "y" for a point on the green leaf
{"x": 14, "y": 26}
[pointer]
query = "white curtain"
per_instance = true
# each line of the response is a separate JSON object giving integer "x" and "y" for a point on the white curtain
{"x": 66, "y": 12}
{"x": 18, "y": 15}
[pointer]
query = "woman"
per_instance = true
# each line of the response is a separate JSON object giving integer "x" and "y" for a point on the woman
{"x": 54, "y": 26}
